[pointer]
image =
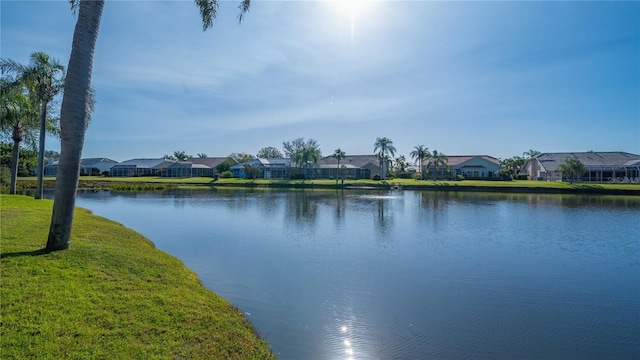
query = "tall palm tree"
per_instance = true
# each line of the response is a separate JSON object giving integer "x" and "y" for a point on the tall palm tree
{"x": 309, "y": 154}
{"x": 18, "y": 118}
{"x": 436, "y": 159}
{"x": 385, "y": 149}
{"x": 531, "y": 153}
{"x": 75, "y": 110}
{"x": 338, "y": 154}
{"x": 419, "y": 153}
{"x": 44, "y": 78}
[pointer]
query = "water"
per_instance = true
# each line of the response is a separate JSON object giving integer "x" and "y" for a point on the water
{"x": 409, "y": 275}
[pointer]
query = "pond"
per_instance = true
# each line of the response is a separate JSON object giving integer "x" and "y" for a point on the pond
{"x": 407, "y": 275}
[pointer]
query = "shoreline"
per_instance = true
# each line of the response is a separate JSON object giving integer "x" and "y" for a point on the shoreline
{"x": 515, "y": 186}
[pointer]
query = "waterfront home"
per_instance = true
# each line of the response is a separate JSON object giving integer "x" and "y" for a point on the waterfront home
{"x": 355, "y": 167}
{"x": 203, "y": 167}
{"x": 467, "y": 166}
{"x": 601, "y": 166}
{"x": 88, "y": 166}
{"x": 271, "y": 168}
{"x": 140, "y": 167}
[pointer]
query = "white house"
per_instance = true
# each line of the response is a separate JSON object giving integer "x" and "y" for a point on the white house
{"x": 601, "y": 166}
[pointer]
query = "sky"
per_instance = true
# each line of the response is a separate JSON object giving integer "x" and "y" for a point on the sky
{"x": 491, "y": 78}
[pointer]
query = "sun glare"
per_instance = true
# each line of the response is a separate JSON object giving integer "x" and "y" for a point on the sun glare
{"x": 350, "y": 7}
{"x": 353, "y": 9}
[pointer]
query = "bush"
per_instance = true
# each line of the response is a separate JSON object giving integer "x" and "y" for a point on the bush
{"x": 297, "y": 177}
{"x": 376, "y": 177}
{"x": 416, "y": 177}
{"x": 521, "y": 177}
{"x": 226, "y": 174}
{"x": 105, "y": 173}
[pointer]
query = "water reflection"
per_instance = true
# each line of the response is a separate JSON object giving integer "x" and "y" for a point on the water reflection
{"x": 384, "y": 274}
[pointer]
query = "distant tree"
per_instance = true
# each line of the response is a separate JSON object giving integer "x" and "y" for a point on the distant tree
{"x": 338, "y": 154}
{"x": 436, "y": 159}
{"x": 302, "y": 152}
{"x": 310, "y": 154}
{"x": 513, "y": 165}
{"x": 269, "y": 152}
{"x": 51, "y": 155}
{"x": 572, "y": 168}
{"x": 383, "y": 147}
{"x": 179, "y": 156}
{"x": 531, "y": 153}
{"x": 239, "y": 158}
{"x": 419, "y": 153}
{"x": 44, "y": 79}
{"x": 291, "y": 148}
{"x": 202, "y": 155}
{"x": 251, "y": 171}
{"x": 225, "y": 165}
{"x": 400, "y": 165}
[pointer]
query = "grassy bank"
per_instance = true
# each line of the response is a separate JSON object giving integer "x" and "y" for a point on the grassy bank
{"x": 158, "y": 183}
{"x": 111, "y": 295}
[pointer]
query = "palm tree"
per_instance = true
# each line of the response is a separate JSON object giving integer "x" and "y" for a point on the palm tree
{"x": 531, "y": 153}
{"x": 338, "y": 155}
{"x": 18, "y": 118}
{"x": 419, "y": 153}
{"x": 384, "y": 148}
{"x": 43, "y": 77}
{"x": 309, "y": 154}
{"x": 436, "y": 159}
{"x": 75, "y": 110}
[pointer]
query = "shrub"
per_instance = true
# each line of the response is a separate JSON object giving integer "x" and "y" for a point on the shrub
{"x": 521, "y": 177}
{"x": 226, "y": 174}
{"x": 376, "y": 177}
{"x": 105, "y": 173}
{"x": 459, "y": 177}
{"x": 416, "y": 177}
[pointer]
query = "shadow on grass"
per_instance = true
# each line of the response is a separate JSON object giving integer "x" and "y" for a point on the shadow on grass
{"x": 25, "y": 253}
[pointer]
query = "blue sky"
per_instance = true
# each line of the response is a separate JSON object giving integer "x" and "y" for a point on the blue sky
{"x": 495, "y": 78}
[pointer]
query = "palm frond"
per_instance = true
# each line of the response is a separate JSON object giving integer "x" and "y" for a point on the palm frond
{"x": 244, "y": 8}
{"x": 208, "y": 12}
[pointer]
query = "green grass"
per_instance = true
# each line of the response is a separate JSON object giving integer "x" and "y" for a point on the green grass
{"x": 158, "y": 183}
{"x": 111, "y": 295}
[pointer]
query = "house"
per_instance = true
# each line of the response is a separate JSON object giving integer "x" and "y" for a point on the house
{"x": 355, "y": 167}
{"x": 205, "y": 167}
{"x": 473, "y": 166}
{"x": 601, "y": 166}
{"x": 271, "y": 168}
{"x": 140, "y": 167}
{"x": 89, "y": 166}
{"x": 467, "y": 166}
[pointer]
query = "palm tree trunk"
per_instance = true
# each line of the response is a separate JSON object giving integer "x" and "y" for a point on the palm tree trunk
{"x": 43, "y": 129}
{"x": 73, "y": 121}
{"x": 17, "y": 137}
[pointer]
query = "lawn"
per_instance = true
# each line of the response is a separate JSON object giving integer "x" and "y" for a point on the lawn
{"x": 159, "y": 183}
{"x": 111, "y": 295}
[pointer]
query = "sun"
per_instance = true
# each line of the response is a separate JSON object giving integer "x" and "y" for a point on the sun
{"x": 350, "y": 7}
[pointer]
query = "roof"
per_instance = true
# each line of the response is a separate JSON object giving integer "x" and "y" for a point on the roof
{"x": 265, "y": 163}
{"x": 456, "y": 160}
{"x": 211, "y": 162}
{"x": 358, "y": 161}
{"x": 187, "y": 165}
{"x": 590, "y": 159}
{"x": 146, "y": 163}
{"x": 91, "y": 161}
